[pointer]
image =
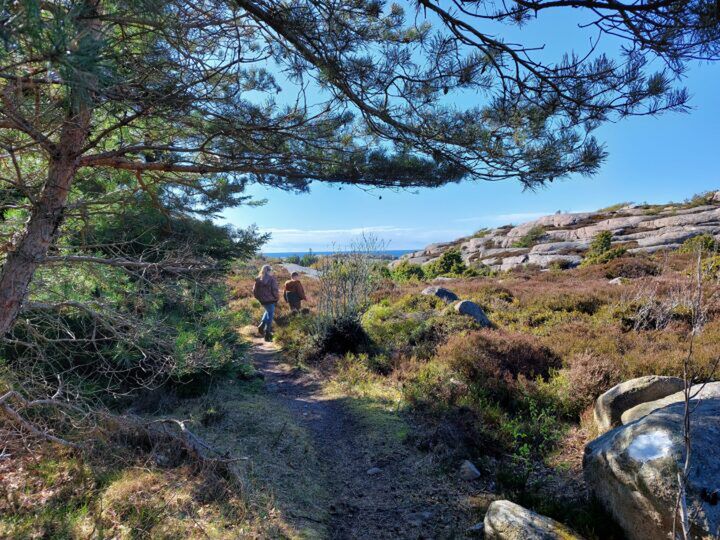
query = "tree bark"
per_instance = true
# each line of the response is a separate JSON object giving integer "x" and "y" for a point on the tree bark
{"x": 45, "y": 219}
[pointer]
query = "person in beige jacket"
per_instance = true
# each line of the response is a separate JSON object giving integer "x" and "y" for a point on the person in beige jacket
{"x": 294, "y": 292}
{"x": 267, "y": 293}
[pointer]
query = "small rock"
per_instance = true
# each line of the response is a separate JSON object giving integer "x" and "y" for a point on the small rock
{"x": 616, "y": 281}
{"x": 471, "y": 309}
{"x": 418, "y": 518}
{"x": 468, "y": 471}
{"x": 441, "y": 292}
{"x": 374, "y": 470}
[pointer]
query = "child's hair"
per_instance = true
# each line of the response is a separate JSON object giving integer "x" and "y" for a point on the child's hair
{"x": 264, "y": 271}
{"x": 294, "y": 275}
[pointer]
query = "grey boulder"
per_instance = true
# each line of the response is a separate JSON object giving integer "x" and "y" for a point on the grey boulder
{"x": 697, "y": 392}
{"x": 471, "y": 309}
{"x": 506, "y": 520}
{"x": 610, "y": 406}
{"x": 441, "y": 292}
{"x": 633, "y": 471}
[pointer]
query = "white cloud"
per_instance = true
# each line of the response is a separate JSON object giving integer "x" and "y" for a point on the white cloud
{"x": 291, "y": 239}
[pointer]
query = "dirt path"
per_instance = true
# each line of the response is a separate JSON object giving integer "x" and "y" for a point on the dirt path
{"x": 380, "y": 487}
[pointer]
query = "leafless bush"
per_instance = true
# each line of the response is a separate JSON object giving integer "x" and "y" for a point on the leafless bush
{"x": 652, "y": 306}
{"x": 347, "y": 278}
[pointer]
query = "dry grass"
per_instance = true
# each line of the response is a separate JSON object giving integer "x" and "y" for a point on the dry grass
{"x": 130, "y": 494}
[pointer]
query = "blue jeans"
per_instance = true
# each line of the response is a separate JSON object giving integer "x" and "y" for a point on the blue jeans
{"x": 267, "y": 318}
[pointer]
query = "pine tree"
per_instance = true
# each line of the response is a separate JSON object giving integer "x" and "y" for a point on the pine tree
{"x": 189, "y": 102}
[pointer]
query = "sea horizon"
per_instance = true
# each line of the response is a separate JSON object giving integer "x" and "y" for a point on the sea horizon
{"x": 285, "y": 254}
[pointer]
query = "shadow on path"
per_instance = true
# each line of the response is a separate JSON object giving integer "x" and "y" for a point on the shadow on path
{"x": 379, "y": 486}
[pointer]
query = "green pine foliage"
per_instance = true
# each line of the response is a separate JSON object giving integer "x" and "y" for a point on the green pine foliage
{"x": 601, "y": 250}
{"x": 532, "y": 237}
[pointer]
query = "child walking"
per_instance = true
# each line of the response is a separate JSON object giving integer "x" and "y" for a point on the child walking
{"x": 294, "y": 292}
{"x": 266, "y": 291}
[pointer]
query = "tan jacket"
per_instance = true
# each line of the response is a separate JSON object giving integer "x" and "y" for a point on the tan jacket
{"x": 294, "y": 286}
{"x": 266, "y": 290}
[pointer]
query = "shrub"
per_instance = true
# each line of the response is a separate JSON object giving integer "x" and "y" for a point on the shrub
{"x": 491, "y": 361}
{"x": 482, "y": 233}
{"x": 613, "y": 207}
{"x": 348, "y": 278}
{"x": 700, "y": 199}
{"x": 601, "y": 243}
{"x": 413, "y": 325}
{"x": 449, "y": 263}
{"x": 601, "y": 250}
{"x": 589, "y": 375}
{"x": 711, "y": 268}
{"x": 703, "y": 243}
{"x": 406, "y": 271}
{"x": 631, "y": 267}
{"x": 341, "y": 335}
{"x": 309, "y": 259}
{"x": 581, "y": 303}
{"x": 532, "y": 237}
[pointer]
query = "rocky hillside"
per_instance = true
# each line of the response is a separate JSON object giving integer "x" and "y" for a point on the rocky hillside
{"x": 562, "y": 239}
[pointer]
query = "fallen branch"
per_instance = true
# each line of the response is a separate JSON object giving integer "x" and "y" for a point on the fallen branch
{"x": 16, "y": 417}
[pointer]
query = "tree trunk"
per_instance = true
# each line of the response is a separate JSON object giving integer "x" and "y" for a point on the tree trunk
{"x": 45, "y": 219}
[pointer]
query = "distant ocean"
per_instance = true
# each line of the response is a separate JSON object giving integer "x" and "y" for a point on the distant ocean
{"x": 285, "y": 254}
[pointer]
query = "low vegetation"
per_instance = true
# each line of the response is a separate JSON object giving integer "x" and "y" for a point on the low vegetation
{"x": 601, "y": 250}
{"x": 515, "y": 393}
{"x": 532, "y": 237}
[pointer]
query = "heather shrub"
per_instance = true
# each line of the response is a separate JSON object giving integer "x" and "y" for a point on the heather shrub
{"x": 491, "y": 296}
{"x": 631, "y": 267}
{"x": 491, "y": 362}
{"x": 543, "y": 313}
{"x": 581, "y": 303}
{"x": 413, "y": 325}
{"x": 419, "y": 302}
{"x": 588, "y": 375}
{"x": 434, "y": 385}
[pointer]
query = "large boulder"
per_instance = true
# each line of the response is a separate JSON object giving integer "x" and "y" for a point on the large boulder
{"x": 471, "y": 309}
{"x": 633, "y": 470}
{"x": 610, "y": 405}
{"x": 441, "y": 292}
{"x": 697, "y": 392}
{"x": 506, "y": 520}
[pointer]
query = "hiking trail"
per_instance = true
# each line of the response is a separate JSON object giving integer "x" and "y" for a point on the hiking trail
{"x": 380, "y": 486}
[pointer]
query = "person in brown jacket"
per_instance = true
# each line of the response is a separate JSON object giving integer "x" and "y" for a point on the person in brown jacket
{"x": 266, "y": 292}
{"x": 294, "y": 292}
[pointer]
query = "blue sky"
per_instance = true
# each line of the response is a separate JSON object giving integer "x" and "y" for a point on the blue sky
{"x": 651, "y": 159}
